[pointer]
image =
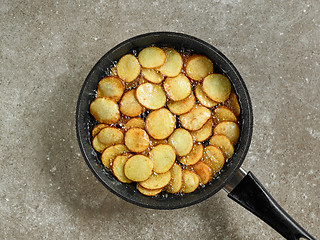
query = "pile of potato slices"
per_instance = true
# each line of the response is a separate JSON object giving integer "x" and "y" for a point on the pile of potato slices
{"x": 167, "y": 122}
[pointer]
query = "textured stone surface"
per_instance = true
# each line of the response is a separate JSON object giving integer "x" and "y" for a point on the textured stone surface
{"x": 48, "y": 47}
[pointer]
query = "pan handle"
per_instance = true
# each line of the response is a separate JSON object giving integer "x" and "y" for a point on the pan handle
{"x": 246, "y": 190}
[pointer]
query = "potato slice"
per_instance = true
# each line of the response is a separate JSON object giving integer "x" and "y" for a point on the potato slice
{"x": 190, "y": 181}
{"x": 182, "y": 106}
{"x": 203, "y": 133}
{"x": 217, "y": 87}
{"x": 229, "y": 129}
{"x": 152, "y": 57}
{"x": 97, "y": 128}
{"x": 160, "y": 123}
{"x": 111, "y": 152}
{"x": 196, "y": 118}
{"x": 148, "y": 192}
{"x": 193, "y": 156}
{"x": 105, "y": 110}
{"x": 173, "y": 65}
{"x": 136, "y": 140}
{"x": 138, "y": 168}
{"x": 152, "y": 75}
{"x": 128, "y": 68}
{"x": 134, "y": 123}
{"x": 118, "y": 166}
{"x": 111, "y": 87}
{"x": 233, "y": 104}
{"x": 151, "y": 96}
{"x": 204, "y": 171}
{"x": 110, "y": 136}
{"x": 181, "y": 141}
{"x": 157, "y": 180}
{"x": 163, "y": 157}
{"x": 155, "y": 142}
{"x": 223, "y": 143}
{"x": 177, "y": 88}
{"x": 203, "y": 98}
{"x": 97, "y": 145}
{"x": 198, "y": 67}
{"x": 129, "y": 105}
{"x": 214, "y": 157}
{"x": 222, "y": 113}
{"x": 175, "y": 183}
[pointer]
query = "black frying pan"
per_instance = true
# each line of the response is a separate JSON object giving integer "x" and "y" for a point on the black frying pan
{"x": 241, "y": 187}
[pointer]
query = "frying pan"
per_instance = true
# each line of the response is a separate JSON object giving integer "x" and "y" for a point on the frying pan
{"x": 242, "y": 187}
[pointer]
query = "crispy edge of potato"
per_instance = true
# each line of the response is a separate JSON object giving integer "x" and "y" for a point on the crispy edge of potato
{"x": 214, "y": 158}
{"x": 193, "y": 71}
{"x": 110, "y": 109}
{"x": 223, "y": 113}
{"x": 175, "y": 183}
{"x": 118, "y": 167}
{"x": 110, "y": 136}
{"x": 136, "y": 140}
{"x": 196, "y": 118}
{"x": 111, "y": 152}
{"x": 203, "y": 98}
{"x": 157, "y": 180}
{"x": 177, "y": 88}
{"x": 230, "y": 129}
{"x": 97, "y": 128}
{"x": 136, "y": 122}
{"x": 117, "y": 88}
{"x": 204, "y": 132}
{"x": 138, "y": 168}
{"x": 129, "y": 105}
{"x": 128, "y": 75}
{"x": 163, "y": 157}
{"x": 152, "y": 75}
{"x": 204, "y": 171}
{"x": 217, "y": 87}
{"x": 190, "y": 181}
{"x": 152, "y": 57}
{"x": 181, "y": 141}
{"x": 173, "y": 64}
{"x": 182, "y": 106}
{"x": 233, "y": 103}
{"x": 150, "y": 91}
{"x": 193, "y": 156}
{"x": 148, "y": 192}
{"x": 97, "y": 145}
{"x": 223, "y": 143}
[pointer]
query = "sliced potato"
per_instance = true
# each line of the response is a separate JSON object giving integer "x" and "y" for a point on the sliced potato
{"x": 229, "y": 129}
{"x": 198, "y": 67}
{"x": 111, "y": 87}
{"x": 223, "y": 143}
{"x": 181, "y": 141}
{"x": 203, "y": 98}
{"x": 110, "y": 136}
{"x": 118, "y": 166}
{"x": 111, "y": 152}
{"x": 203, "y": 133}
{"x": 177, "y": 88}
{"x": 204, "y": 171}
{"x": 128, "y": 68}
{"x": 97, "y": 128}
{"x": 175, "y": 183}
{"x": 163, "y": 157}
{"x": 196, "y": 118}
{"x": 105, "y": 110}
{"x": 129, "y": 105}
{"x": 134, "y": 123}
{"x": 190, "y": 181}
{"x": 97, "y": 145}
{"x": 138, "y": 168}
{"x": 148, "y": 192}
{"x": 193, "y": 156}
{"x": 152, "y": 75}
{"x": 222, "y": 113}
{"x": 157, "y": 180}
{"x": 155, "y": 142}
{"x": 217, "y": 87}
{"x": 152, "y": 57}
{"x": 233, "y": 104}
{"x": 214, "y": 157}
{"x": 182, "y": 106}
{"x": 136, "y": 140}
{"x": 151, "y": 96}
{"x": 160, "y": 123}
{"x": 173, "y": 65}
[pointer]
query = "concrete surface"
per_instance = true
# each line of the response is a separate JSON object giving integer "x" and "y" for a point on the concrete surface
{"x": 47, "y": 50}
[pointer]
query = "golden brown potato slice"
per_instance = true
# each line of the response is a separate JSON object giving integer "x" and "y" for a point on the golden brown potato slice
{"x": 193, "y": 156}
{"x": 138, "y": 168}
{"x": 233, "y": 104}
{"x": 152, "y": 75}
{"x": 148, "y": 192}
{"x": 181, "y": 141}
{"x": 105, "y": 110}
{"x": 128, "y": 68}
{"x": 177, "y": 88}
{"x": 97, "y": 145}
{"x": 217, "y": 87}
{"x": 152, "y": 57}
{"x": 175, "y": 183}
{"x": 97, "y": 128}
{"x": 110, "y": 136}
{"x": 203, "y": 98}
{"x": 173, "y": 65}
{"x": 214, "y": 157}
{"x": 229, "y": 129}
{"x": 204, "y": 172}
{"x": 222, "y": 113}
{"x": 203, "y": 133}
{"x": 136, "y": 140}
{"x": 182, "y": 106}
{"x": 198, "y": 67}
{"x": 129, "y": 105}
{"x": 151, "y": 96}
{"x": 111, "y": 152}
{"x": 163, "y": 157}
{"x": 118, "y": 166}
{"x": 134, "y": 123}
{"x": 223, "y": 143}
{"x": 111, "y": 87}
{"x": 190, "y": 181}
{"x": 157, "y": 180}
{"x": 196, "y": 118}
{"x": 160, "y": 123}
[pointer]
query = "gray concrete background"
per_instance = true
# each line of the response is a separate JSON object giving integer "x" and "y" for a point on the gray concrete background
{"x": 48, "y": 48}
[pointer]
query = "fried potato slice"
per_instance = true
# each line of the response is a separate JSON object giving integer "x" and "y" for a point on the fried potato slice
{"x": 105, "y": 110}
{"x": 182, "y": 106}
{"x": 203, "y": 98}
{"x": 222, "y": 113}
{"x": 233, "y": 103}
{"x": 163, "y": 157}
{"x": 157, "y": 180}
{"x": 217, "y": 87}
{"x": 148, "y": 192}
{"x": 136, "y": 140}
{"x": 152, "y": 75}
{"x": 128, "y": 68}
{"x": 177, "y": 88}
{"x": 203, "y": 133}
{"x": 97, "y": 128}
{"x": 138, "y": 168}
{"x": 196, "y": 118}
{"x": 111, "y": 152}
{"x": 229, "y": 129}
{"x": 118, "y": 166}
{"x": 204, "y": 171}
{"x": 175, "y": 183}
{"x": 198, "y": 67}
{"x": 111, "y": 87}
{"x": 151, "y": 96}
{"x": 173, "y": 65}
{"x": 129, "y": 105}
{"x": 160, "y": 123}
{"x": 193, "y": 156}
{"x": 152, "y": 57}
{"x": 110, "y": 136}
{"x": 190, "y": 181}
{"x": 97, "y": 145}
{"x": 181, "y": 141}
{"x": 223, "y": 143}
{"x": 134, "y": 123}
{"x": 214, "y": 157}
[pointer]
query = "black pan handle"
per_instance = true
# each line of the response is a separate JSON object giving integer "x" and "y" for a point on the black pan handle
{"x": 250, "y": 194}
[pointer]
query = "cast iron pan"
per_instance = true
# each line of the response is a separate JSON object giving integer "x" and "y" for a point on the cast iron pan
{"x": 243, "y": 188}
